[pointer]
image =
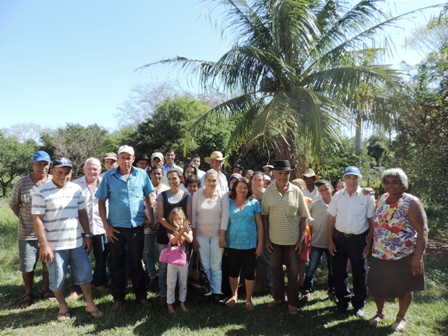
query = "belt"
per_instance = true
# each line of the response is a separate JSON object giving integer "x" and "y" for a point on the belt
{"x": 349, "y": 235}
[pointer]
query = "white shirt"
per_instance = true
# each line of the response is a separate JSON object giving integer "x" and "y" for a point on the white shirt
{"x": 95, "y": 222}
{"x": 351, "y": 212}
{"x": 223, "y": 185}
{"x": 200, "y": 174}
{"x": 314, "y": 195}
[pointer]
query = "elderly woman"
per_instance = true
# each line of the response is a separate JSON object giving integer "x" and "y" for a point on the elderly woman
{"x": 399, "y": 240}
{"x": 210, "y": 218}
{"x": 257, "y": 185}
{"x": 167, "y": 201}
{"x": 244, "y": 239}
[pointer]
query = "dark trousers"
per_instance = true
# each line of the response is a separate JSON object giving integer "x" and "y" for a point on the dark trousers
{"x": 350, "y": 248}
{"x": 134, "y": 240}
{"x": 285, "y": 255}
{"x": 100, "y": 252}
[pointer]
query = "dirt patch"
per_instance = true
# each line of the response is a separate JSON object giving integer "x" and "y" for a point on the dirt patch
{"x": 437, "y": 247}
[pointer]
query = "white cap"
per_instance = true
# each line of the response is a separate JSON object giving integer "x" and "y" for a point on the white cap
{"x": 127, "y": 149}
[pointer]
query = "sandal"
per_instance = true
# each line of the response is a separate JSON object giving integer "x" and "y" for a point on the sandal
{"x": 26, "y": 300}
{"x": 376, "y": 319}
{"x": 95, "y": 313}
{"x": 48, "y": 295}
{"x": 231, "y": 302}
{"x": 63, "y": 316}
{"x": 249, "y": 306}
{"x": 399, "y": 324}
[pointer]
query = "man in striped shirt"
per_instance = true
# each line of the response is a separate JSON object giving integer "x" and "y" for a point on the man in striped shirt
{"x": 284, "y": 219}
{"x": 57, "y": 206}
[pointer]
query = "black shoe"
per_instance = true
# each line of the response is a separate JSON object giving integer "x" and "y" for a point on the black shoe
{"x": 154, "y": 282}
{"x": 217, "y": 299}
{"x": 340, "y": 310}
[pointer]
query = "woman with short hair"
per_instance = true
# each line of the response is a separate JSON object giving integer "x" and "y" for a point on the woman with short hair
{"x": 400, "y": 234}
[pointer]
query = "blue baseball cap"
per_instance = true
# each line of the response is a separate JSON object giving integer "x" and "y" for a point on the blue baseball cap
{"x": 62, "y": 162}
{"x": 352, "y": 170}
{"x": 41, "y": 156}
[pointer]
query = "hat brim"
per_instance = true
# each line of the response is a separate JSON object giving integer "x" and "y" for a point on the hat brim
{"x": 309, "y": 175}
{"x": 284, "y": 168}
{"x": 209, "y": 158}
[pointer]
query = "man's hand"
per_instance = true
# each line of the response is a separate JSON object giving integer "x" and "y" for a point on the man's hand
{"x": 110, "y": 232}
{"x": 299, "y": 246}
{"x": 331, "y": 248}
{"x": 87, "y": 244}
{"x": 269, "y": 246}
{"x": 46, "y": 254}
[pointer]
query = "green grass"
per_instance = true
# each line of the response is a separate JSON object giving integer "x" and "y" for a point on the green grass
{"x": 428, "y": 315}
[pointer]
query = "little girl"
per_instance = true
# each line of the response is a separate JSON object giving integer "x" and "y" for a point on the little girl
{"x": 183, "y": 234}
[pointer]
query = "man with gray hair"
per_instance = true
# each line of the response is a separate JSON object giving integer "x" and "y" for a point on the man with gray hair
{"x": 89, "y": 184}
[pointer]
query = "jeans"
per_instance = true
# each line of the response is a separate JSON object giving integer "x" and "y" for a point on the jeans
{"x": 350, "y": 248}
{"x": 79, "y": 267}
{"x": 100, "y": 252}
{"x": 162, "y": 273}
{"x": 149, "y": 254}
{"x": 133, "y": 239}
{"x": 177, "y": 275}
{"x": 211, "y": 257}
{"x": 315, "y": 260}
{"x": 285, "y": 255}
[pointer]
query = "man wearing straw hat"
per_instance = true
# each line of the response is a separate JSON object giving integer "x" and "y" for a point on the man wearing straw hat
{"x": 216, "y": 161}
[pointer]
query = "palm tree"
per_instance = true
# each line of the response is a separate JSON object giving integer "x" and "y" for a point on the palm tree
{"x": 294, "y": 71}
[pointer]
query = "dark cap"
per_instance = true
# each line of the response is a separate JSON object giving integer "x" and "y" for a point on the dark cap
{"x": 61, "y": 162}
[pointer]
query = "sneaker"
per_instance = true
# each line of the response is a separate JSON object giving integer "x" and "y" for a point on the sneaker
{"x": 305, "y": 297}
{"x": 359, "y": 312}
{"x": 399, "y": 324}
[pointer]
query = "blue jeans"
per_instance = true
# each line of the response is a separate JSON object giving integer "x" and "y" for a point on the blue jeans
{"x": 79, "y": 267}
{"x": 133, "y": 239}
{"x": 315, "y": 260}
{"x": 162, "y": 273}
{"x": 149, "y": 254}
{"x": 211, "y": 257}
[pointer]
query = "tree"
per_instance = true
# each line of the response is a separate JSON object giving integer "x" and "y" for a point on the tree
{"x": 168, "y": 127}
{"x": 78, "y": 143}
{"x": 421, "y": 143}
{"x": 295, "y": 69}
{"x": 15, "y": 160}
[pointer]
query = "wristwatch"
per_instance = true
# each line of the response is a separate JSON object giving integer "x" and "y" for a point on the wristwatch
{"x": 87, "y": 235}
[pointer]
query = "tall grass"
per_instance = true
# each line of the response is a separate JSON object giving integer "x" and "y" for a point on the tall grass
{"x": 428, "y": 315}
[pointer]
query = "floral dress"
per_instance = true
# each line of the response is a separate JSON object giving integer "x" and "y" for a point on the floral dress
{"x": 393, "y": 234}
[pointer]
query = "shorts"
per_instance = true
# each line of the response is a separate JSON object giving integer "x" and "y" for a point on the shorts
{"x": 29, "y": 255}
{"x": 80, "y": 268}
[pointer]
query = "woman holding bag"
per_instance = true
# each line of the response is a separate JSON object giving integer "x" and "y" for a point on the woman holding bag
{"x": 167, "y": 201}
{"x": 210, "y": 218}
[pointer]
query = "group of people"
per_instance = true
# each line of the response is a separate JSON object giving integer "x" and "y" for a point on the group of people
{"x": 142, "y": 205}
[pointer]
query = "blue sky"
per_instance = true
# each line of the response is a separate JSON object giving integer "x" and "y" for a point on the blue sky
{"x": 67, "y": 61}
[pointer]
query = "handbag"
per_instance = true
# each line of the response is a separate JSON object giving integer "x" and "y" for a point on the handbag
{"x": 197, "y": 278}
{"x": 173, "y": 255}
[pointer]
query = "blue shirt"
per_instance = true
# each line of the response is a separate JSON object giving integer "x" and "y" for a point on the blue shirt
{"x": 125, "y": 197}
{"x": 242, "y": 230}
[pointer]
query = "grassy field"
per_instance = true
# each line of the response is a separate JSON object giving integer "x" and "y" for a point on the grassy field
{"x": 428, "y": 315}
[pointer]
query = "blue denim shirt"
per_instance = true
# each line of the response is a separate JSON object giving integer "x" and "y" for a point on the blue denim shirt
{"x": 125, "y": 197}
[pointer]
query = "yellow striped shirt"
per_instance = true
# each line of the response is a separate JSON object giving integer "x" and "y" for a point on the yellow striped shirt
{"x": 285, "y": 212}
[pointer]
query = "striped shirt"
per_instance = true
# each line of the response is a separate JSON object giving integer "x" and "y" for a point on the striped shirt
{"x": 351, "y": 212}
{"x": 60, "y": 208}
{"x": 285, "y": 212}
{"x": 22, "y": 195}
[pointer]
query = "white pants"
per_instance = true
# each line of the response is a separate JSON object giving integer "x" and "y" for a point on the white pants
{"x": 211, "y": 257}
{"x": 173, "y": 274}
